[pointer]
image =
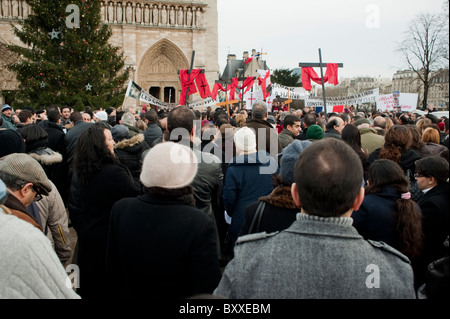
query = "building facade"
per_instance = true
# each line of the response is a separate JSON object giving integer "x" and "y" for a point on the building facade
{"x": 157, "y": 38}
{"x": 407, "y": 81}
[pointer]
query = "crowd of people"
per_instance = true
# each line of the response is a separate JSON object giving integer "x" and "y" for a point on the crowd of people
{"x": 242, "y": 203}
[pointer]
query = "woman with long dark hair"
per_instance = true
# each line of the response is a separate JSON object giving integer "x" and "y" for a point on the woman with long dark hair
{"x": 397, "y": 148}
{"x": 99, "y": 181}
{"x": 388, "y": 213}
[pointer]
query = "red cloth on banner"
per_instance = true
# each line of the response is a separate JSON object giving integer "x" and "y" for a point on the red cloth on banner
{"x": 332, "y": 73}
{"x": 202, "y": 85}
{"x": 248, "y": 83}
{"x": 249, "y": 60}
{"x": 216, "y": 89}
{"x": 233, "y": 86}
{"x": 331, "y": 76}
{"x": 338, "y": 109}
{"x": 263, "y": 84}
{"x": 188, "y": 83}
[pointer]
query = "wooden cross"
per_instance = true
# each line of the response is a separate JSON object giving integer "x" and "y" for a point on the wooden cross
{"x": 262, "y": 53}
{"x": 227, "y": 103}
{"x": 320, "y": 65}
{"x": 189, "y": 72}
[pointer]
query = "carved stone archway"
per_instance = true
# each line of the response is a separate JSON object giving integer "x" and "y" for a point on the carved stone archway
{"x": 159, "y": 67}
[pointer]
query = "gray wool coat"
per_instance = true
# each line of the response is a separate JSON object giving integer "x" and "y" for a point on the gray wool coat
{"x": 316, "y": 258}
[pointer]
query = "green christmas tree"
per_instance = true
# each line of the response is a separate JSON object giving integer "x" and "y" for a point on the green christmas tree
{"x": 67, "y": 59}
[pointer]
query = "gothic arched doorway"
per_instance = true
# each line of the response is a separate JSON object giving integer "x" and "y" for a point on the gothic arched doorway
{"x": 158, "y": 71}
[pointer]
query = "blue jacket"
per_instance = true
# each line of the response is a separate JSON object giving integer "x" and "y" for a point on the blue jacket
{"x": 248, "y": 178}
{"x": 8, "y": 122}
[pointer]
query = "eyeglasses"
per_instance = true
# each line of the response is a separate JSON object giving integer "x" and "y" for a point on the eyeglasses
{"x": 38, "y": 196}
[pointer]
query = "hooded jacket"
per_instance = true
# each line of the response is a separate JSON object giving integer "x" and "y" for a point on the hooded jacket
{"x": 130, "y": 152}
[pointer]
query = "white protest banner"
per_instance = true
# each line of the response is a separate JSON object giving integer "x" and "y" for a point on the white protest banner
{"x": 407, "y": 102}
{"x": 150, "y": 99}
{"x": 203, "y": 103}
{"x": 136, "y": 92}
{"x": 285, "y": 92}
{"x": 360, "y": 98}
{"x": 133, "y": 90}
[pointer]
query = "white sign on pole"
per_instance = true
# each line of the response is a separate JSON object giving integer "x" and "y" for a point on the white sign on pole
{"x": 407, "y": 102}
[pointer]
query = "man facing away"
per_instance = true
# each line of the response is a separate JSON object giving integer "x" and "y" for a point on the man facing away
{"x": 321, "y": 256}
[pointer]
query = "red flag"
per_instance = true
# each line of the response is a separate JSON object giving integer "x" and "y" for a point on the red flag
{"x": 250, "y": 59}
{"x": 338, "y": 109}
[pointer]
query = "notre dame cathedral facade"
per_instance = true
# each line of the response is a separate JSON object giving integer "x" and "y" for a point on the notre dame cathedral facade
{"x": 157, "y": 38}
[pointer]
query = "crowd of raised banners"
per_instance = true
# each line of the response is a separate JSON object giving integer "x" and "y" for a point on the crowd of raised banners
{"x": 251, "y": 91}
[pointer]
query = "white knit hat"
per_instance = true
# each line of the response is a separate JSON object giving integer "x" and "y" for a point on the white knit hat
{"x": 169, "y": 165}
{"x": 245, "y": 139}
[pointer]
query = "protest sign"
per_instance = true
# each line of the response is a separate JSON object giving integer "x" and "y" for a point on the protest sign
{"x": 360, "y": 98}
{"x": 136, "y": 92}
{"x": 406, "y": 101}
{"x": 285, "y": 92}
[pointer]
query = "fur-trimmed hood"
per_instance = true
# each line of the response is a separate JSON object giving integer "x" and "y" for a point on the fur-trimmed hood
{"x": 280, "y": 197}
{"x": 46, "y": 156}
{"x": 130, "y": 142}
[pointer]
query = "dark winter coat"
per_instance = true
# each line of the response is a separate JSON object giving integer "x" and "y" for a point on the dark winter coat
{"x": 245, "y": 183}
{"x": 72, "y": 136}
{"x": 161, "y": 247}
{"x": 407, "y": 160}
{"x": 93, "y": 203}
{"x": 285, "y": 137}
{"x": 435, "y": 209}
{"x": 152, "y": 133}
{"x": 129, "y": 152}
{"x": 431, "y": 149}
{"x": 271, "y": 136}
{"x": 375, "y": 219}
{"x": 332, "y": 133}
{"x": 279, "y": 213}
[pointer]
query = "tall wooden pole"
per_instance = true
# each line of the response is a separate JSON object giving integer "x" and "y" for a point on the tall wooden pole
{"x": 190, "y": 71}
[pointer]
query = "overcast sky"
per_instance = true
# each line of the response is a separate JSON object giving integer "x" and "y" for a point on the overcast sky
{"x": 362, "y": 34}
